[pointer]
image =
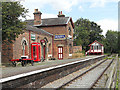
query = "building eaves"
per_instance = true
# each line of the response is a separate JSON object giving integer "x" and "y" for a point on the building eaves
{"x": 35, "y": 29}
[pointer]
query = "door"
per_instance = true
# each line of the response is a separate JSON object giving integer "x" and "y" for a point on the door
{"x": 44, "y": 52}
{"x": 60, "y": 52}
{"x": 34, "y": 54}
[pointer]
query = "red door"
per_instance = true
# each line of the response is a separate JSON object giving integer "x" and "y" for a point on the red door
{"x": 60, "y": 52}
{"x": 44, "y": 52}
{"x": 34, "y": 53}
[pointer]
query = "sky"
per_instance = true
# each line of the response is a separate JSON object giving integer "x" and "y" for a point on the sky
{"x": 103, "y": 12}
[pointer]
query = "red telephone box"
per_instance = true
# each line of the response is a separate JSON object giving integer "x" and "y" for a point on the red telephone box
{"x": 35, "y": 51}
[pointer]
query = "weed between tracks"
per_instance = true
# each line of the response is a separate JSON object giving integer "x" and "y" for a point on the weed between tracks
{"x": 117, "y": 80}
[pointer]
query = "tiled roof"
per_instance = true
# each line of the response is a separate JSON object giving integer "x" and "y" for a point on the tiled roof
{"x": 51, "y": 21}
{"x": 35, "y": 29}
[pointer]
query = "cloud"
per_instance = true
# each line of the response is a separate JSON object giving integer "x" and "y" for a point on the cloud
{"x": 81, "y": 8}
{"x": 97, "y": 3}
{"x": 65, "y": 5}
{"x": 108, "y": 24}
{"x": 44, "y": 15}
{"x": 48, "y": 15}
{"x": 100, "y": 3}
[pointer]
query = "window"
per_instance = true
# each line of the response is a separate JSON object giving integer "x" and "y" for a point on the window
{"x": 34, "y": 49}
{"x": 69, "y": 31}
{"x": 100, "y": 47}
{"x": 95, "y": 47}
{"x": 23, "y": 47}
{"x": 91, "y": 47}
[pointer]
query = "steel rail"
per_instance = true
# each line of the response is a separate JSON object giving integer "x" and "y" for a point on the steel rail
{"x": 82, "y": 74}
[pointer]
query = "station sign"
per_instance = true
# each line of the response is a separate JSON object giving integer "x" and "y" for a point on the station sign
{"x": 33, "y": 37}
{"x": 59, "y": 37}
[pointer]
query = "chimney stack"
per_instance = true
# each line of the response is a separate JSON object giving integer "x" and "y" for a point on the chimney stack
{"x": 37, "y": 17}
{"x": 60, "y": 14}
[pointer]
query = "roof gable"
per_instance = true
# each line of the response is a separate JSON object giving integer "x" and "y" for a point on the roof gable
{"x": 95, "y": 42}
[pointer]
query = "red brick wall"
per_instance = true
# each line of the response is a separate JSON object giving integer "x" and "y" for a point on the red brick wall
{"x": 65, "y": 49}
{"x": 56, "y": 29}
{"x": 14, "y": 51}
{"x": 77, "y": 49}
{"x": 7, "y": 52}
{"x": 61, "y": 30}
{"x": 17, "y": 46}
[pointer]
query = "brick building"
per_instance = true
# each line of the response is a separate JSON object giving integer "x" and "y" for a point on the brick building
{"x": 22, "y": 45}
{"x": 62, "y": 29}
{"x": 55, "y": 36}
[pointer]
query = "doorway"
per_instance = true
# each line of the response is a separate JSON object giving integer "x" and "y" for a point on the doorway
{"x": 60, "y": 53}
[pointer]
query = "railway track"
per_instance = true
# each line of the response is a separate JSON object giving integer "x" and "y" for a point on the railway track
{"x": 39, "y": 78}
{"x": 90, "y": 78}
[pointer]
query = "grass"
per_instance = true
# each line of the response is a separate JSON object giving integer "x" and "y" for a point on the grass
{"x": 113, "y": 57}
{"x": 117, "y": 80}
{"x": 108, "y": 58}
{"x": 77, "y": 55}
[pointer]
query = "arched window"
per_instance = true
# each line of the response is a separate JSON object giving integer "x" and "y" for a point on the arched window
{"x": 24, "y": 48}
{"x": 69, "y": 31}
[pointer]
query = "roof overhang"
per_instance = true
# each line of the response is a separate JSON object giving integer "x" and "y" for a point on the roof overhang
{"x": 94, "y": 42}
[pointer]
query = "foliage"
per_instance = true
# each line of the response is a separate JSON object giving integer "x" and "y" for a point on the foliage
{"x": 86, "y": 32}
{"x": 111, "y": 42}
{"x": 12, "y": 26}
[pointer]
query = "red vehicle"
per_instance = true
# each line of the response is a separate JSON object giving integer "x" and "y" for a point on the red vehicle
{"x": 35, "y": 56}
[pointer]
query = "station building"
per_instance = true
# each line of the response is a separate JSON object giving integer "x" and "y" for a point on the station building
{"x": 55, "y": 36}
{"x": 62, "y": 29}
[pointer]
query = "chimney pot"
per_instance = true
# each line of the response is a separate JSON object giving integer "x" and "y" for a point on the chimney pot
{"x": 61, "y": 12}
{"x": 36, "y": 10}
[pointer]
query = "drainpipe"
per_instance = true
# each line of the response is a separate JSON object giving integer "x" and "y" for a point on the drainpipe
{"x": 53, "y": 46}
{"x": 29, "y": 43}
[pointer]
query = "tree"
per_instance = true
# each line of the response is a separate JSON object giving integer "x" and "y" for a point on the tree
{"x": 111, "y": 42}
{"x": 86, "y": 32}
{"x": 95, "y": 32}
{"x": 12, "y": 26}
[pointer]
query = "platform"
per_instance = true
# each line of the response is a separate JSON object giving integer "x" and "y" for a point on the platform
{"x": 11, "y": 71}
